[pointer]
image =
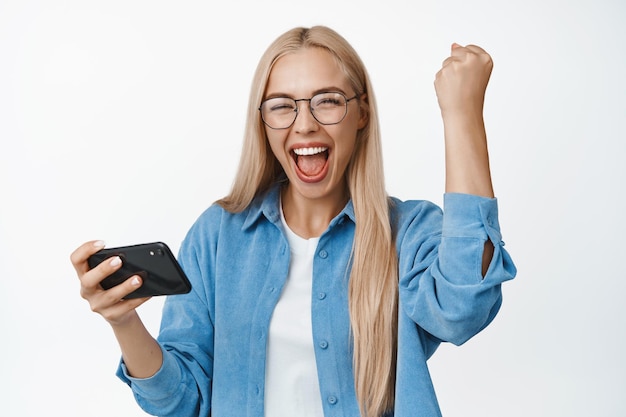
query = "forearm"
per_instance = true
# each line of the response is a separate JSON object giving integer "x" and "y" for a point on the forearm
{"x": 467, "y": 157}
{"x": 141, "y": 352}
{"x": 467, "y": 162}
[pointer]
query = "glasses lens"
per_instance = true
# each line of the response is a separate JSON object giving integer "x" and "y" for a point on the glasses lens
{"x": 329, "y": 108}
{"x": 279, "y": 112}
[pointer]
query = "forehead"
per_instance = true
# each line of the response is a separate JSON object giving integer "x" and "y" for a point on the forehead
{"x": 305, "y": 72}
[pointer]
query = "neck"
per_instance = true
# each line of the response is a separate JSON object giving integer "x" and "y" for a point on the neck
{"x": 309, "y": 217}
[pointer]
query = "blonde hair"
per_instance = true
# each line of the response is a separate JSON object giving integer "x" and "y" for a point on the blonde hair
{"x": 373, "y": 285}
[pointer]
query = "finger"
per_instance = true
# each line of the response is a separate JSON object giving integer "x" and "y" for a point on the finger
{"x": 107, "y": 298}
{"x": 472, "y": 54}
{"x": 82, "y": 253}
{"x": 455, "y": 46}
{"x": 476, "y": 49}
{"x": 116, "y": 311}
{"x": 449, "y": 60}
{"x": 459, "y": 51}
{"x": 92, "y": 278}
{"x": 482, "y": 54}
{"x": 122, "y": 290}
{"x": 464, "y": 51}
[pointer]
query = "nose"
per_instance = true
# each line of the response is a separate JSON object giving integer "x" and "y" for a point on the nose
{"x": 305, "y": 122}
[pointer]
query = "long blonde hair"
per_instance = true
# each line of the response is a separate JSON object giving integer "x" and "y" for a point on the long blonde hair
{"x": 373, "y": 286}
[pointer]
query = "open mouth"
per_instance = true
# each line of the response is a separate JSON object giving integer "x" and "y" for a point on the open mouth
{"x": 310, "y": 161}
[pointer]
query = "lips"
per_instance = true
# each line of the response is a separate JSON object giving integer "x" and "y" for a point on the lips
{"x": 311, "y": 162}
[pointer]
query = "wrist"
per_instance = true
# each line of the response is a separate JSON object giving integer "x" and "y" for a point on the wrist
{"x": 127, "y": 321}
{"x": 462, "y": 114}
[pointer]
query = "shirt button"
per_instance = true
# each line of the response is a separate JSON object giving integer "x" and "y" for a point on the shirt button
{"x": 323, "y": 254}
{"x": 332, "y": 400}
{"x": 323, "y": 344}
{"x": 321, "y": 295}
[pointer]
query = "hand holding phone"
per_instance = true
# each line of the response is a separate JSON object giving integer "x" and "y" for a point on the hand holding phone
{"x": 153, "y": 262}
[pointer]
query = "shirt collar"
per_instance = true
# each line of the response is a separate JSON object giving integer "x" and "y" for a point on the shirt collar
{"x": 268, "y": 204}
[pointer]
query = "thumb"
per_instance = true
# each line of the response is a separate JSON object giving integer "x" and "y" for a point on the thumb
{"x": 454, "y": 46}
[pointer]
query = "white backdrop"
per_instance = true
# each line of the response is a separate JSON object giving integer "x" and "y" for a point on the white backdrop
{"x": 122, "y": 121}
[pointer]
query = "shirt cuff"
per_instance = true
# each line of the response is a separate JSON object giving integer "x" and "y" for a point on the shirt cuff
{"x": 160, "y": 385}
{"x": 473, "y": 216}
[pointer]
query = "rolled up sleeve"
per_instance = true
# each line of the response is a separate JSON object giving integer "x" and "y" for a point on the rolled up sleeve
{"x": 441, "y": 283}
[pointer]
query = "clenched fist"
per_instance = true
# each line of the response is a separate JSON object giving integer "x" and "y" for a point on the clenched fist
{"x": 462, "y": 81}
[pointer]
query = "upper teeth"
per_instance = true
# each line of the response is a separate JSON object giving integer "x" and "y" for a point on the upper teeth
{"x": 310, "y": 151}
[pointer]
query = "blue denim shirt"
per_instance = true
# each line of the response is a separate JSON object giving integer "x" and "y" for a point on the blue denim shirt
{"x": 214, "y": 338}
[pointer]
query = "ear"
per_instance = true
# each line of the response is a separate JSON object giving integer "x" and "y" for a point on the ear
{"x": 364, "y": 111}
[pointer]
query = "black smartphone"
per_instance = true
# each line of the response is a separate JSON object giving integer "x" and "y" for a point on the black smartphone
{"x": 153, "y": 262}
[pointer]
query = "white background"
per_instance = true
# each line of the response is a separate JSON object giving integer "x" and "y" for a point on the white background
{"x": 122, "y": 121}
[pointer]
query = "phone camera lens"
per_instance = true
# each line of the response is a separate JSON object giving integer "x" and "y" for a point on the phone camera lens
{"x": 158, "y": 252}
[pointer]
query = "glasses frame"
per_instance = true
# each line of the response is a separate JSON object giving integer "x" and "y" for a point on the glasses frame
{"x": 297, "y": 109}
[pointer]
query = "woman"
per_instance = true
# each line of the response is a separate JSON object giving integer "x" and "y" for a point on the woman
{"x": 314, "y": 293}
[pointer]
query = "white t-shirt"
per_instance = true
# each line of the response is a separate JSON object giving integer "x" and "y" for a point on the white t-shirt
{"x": 291, "y": 382}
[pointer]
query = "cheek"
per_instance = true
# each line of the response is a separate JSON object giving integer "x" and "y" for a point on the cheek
{"x": 345, "y": 146}
{"x": 276, "y": 142}
{"x": 347, "y": 133}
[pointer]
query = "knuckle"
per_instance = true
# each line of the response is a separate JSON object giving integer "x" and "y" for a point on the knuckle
{"x": 87, "y": 292}
{"x": 110, "y": 298}
{"x": 95, "y": 307}
{"x": 107, "y": 315}
{"x": 73, "y": 258}
{"x": 81, "y": 253}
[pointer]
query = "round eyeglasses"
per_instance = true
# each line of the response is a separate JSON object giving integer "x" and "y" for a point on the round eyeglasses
{"x": 327, "y": 108}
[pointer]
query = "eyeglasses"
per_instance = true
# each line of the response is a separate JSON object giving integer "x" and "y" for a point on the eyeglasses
{"x": 327, "y": 108}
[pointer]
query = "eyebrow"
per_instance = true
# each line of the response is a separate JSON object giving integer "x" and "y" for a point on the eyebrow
{"x": 332, "y": 89}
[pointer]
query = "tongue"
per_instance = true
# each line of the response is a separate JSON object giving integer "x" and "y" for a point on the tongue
{"x": 311, "y": 165}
